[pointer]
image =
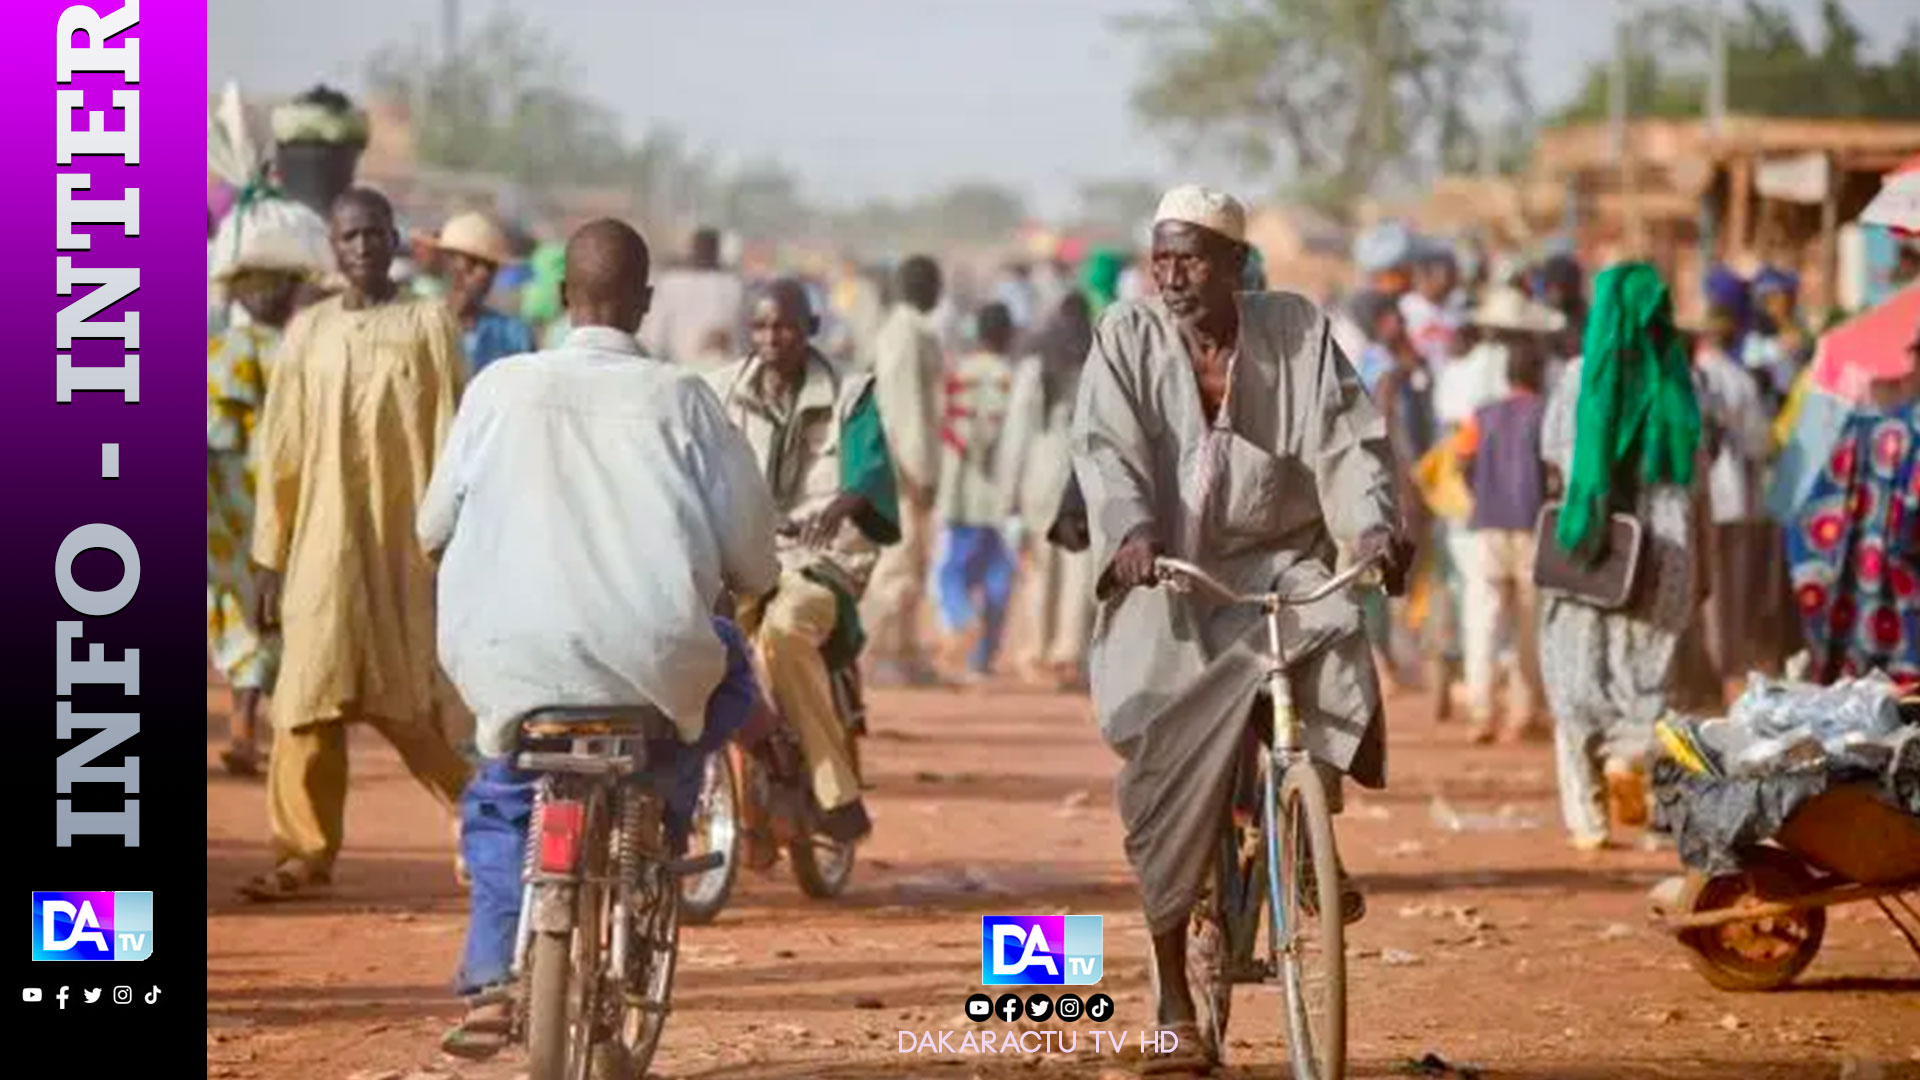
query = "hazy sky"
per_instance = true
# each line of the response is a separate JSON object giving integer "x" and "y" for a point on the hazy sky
{"x": 859, "y": 97}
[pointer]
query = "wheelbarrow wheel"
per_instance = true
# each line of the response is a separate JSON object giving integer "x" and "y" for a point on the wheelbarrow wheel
{"x": 1753, "y": 955}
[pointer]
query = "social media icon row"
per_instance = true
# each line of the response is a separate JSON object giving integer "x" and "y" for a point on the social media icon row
{"x": 1038, "y": 1007}
{"x": 122, "y": 995}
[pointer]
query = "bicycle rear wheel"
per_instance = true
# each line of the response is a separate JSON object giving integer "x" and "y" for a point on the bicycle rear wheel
{"x": 648, "y": 997}
{"x": 1306, "y": 934}
{"x": 645, "y": 988}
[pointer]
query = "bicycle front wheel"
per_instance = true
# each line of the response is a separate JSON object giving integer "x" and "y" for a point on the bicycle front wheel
{"x": 716, "y": 828}
{"x": 1306, "y": 933}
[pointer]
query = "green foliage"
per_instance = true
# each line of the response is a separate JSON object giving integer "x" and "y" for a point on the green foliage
{"x": 501, "y": 105}
{"x": 1338, "y": 94}
{"x": 1772, "y": 70}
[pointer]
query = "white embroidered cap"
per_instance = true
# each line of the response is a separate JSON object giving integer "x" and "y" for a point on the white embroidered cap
{"x": 1205, "y": 207}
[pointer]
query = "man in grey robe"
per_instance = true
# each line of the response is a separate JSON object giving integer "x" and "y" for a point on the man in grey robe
{"x": 1227, "y": 429}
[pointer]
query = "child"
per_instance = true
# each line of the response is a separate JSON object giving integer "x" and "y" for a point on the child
{"x": 975, "y": 572}
{"x": 1500, "y": 446}
{"x": 238, "y": 367}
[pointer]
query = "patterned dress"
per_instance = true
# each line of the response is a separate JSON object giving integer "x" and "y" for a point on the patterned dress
{"x": 1856, "y": 577}
{"x": 1610, "y": 674}
{"x": 238, "y": 361}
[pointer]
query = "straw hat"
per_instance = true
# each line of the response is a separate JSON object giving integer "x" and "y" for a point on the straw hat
{"x": 1507, "y": 308}
{"x": 476, "y": 236}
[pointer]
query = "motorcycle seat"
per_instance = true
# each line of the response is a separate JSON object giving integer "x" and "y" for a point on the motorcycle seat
{"x": 644, "y": 721}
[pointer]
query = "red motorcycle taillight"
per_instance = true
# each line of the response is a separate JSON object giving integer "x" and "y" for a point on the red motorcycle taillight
{"x": 560, "y": 828}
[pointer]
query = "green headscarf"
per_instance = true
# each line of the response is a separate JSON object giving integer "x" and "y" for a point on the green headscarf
{"x": 1100, "y": 278}
{"x": 1636, "y": 401}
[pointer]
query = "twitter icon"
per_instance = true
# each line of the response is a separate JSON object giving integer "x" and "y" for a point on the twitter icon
{"x": 91, "y": 995}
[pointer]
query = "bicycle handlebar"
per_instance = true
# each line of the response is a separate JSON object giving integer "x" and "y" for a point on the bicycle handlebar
{"x": 1182, "y": 574}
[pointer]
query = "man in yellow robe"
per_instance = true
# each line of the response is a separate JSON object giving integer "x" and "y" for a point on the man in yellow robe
{"x": 362, "y": 398}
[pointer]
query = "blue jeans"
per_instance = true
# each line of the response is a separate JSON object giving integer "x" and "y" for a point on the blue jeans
{"x": 497, "y": 807}
{"x": 975, "y": 581}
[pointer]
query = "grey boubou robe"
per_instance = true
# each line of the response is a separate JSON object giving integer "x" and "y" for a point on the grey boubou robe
{"x": 1306, "y": 469}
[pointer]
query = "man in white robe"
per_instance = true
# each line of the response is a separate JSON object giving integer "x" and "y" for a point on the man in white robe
{"x": 1227, "y": 429}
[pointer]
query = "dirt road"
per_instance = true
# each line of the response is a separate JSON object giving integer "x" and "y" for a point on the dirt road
{"x": 1498, "y": 949}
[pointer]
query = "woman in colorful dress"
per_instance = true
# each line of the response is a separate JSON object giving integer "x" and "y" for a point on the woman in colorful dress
{"x": 1854, "y": 547}
{"x": 265, "y": 278}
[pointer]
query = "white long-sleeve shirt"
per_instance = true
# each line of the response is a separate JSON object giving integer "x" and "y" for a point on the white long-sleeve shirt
{"x": 907, "y": 371}
{"x": 688, "y": 306}
{"x": 591, "y": 503}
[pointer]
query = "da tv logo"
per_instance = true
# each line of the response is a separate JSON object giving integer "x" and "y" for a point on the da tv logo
{"x": 92, "y": 925}
{"x": 1036, "y": 950}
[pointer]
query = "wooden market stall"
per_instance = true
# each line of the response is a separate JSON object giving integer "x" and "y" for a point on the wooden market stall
{"x": 1683, "y": 194}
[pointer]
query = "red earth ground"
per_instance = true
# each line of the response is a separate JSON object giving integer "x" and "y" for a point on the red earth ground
{"x": 1497, "y": 949}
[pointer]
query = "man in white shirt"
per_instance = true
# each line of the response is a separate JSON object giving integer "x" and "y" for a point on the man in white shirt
{"x": 591, "y": 507}
{"x": 695, "y": 307}
{"x": 1432, "y": 320}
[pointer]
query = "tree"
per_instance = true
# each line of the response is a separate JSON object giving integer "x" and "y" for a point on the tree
{"x": 976, "y": 210}
{"x": 500, "y": 104}
{"x": 1338, "y": 93}
{"x": 763, "y": 201}
{"x": 1771, "y": 69}
{"x": 1117, "y": 206}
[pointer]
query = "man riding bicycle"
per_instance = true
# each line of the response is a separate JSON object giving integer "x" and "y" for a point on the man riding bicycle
{"x": 1226, "y": 429}
{"x": 590, "y": 508}
{"x": 816, "y": 435}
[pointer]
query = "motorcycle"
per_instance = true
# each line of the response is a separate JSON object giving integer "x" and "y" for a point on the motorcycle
{"x": 599, "y": 929}
{"x": 770, "y": 784}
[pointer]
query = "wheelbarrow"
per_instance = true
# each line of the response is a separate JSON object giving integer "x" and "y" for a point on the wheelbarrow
{"x": 1759, "y": 928}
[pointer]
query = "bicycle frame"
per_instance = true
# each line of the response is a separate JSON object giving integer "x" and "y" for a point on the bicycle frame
{"x": 1288, "y": 745}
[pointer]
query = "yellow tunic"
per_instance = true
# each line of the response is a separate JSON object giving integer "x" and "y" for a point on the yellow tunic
{"x": 355, "y": 416}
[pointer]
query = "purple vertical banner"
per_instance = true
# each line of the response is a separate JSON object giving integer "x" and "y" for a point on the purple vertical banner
{"x": 102, "y": 392}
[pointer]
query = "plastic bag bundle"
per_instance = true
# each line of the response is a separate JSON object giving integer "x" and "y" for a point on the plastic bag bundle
{"x": 270, "y": 233}
{"x": 262, "y": 230}
{"x": 1779, "y": 727}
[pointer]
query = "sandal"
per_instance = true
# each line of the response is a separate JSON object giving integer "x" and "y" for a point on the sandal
{"x": 288, "y": 881}
{"x": 1207, "y": 973}
{"x": 484, "y": 1031}
{"x": 241, "y": 760}
{"x": 1195, "y": 1056}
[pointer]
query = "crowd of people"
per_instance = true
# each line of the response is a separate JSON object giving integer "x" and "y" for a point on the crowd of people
{"x": 1530, "y": 414}
{"x": 710, "y": 501}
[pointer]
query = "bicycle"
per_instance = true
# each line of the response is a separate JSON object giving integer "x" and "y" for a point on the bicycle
{"x": 599, "y": 930}
{"x": 1292, "y": 853}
